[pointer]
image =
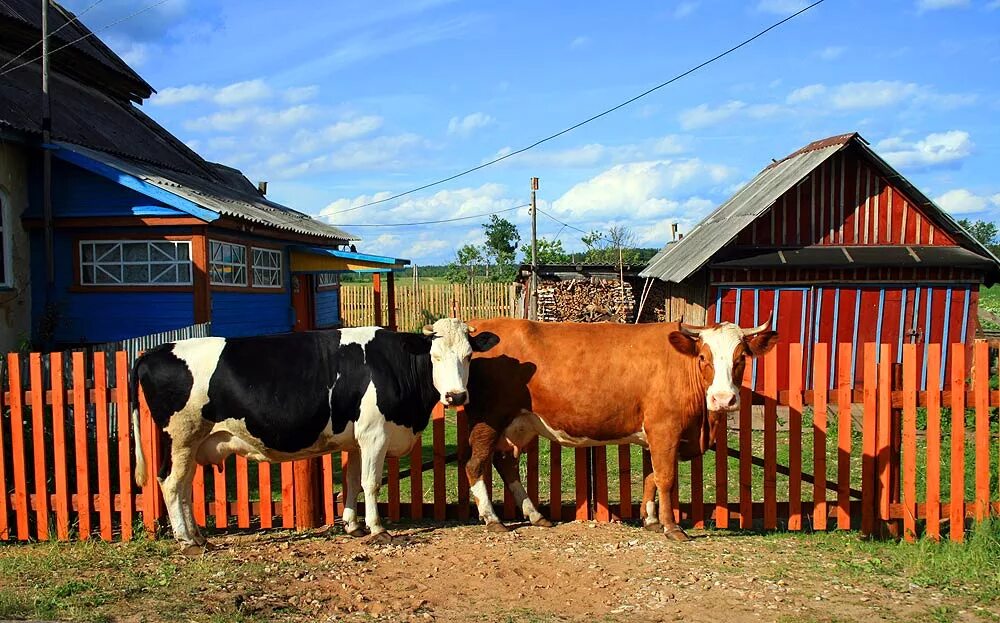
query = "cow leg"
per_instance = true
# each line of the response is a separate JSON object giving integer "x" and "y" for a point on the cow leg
{"x": 187, "y": 502}
{"x": 372, "y": 463}
{"x": 352, "y": 487}
{"x": 647, "y": 512}
{"x": 506, "y": 464}
{"x": 664, "y": 456}
{"x": 482, "y": 439}
{"x": 176, "y": 477}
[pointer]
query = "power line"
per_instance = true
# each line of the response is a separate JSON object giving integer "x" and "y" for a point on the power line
{"x": 92, "y": 33}
{"x": 446, "y": 220}
{"x": 594, "y": 117}
{"x": 39, "y": 42}
{"x": 564, "y": 224}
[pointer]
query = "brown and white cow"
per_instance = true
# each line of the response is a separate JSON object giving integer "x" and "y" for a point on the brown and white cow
{"x": 662, "y": 386}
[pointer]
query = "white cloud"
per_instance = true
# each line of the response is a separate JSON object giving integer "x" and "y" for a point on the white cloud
{"x": 242, "y": 93}
{"x": 934, "y": 150}
{"x": 832, "y": 52}
{"x": 380, "y": 152}
{"x": 993, "y": 5}
{"x": 181, "y": 95}
{"x": 805, "y": 94}
{"x": 641, "y": 190}
{"x": 934, "y": 5}
{"x": 310, "y": 140}
{"x": 580, "y": 42}
{"x": 296, "y": 95}
{"x": 961, "y": 201}
{"x": 705, "y": 115}
{"x": 449, "y": 203}
{"x": 464, "y": 126}
{"x": 851, "y": 96}
{"x": 231, "y": 119}
{"x": 781, "y": 7}
{"x": 684, "y": 9}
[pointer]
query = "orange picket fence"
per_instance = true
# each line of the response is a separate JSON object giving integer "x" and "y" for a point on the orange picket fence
{"x": 883, "y": 457}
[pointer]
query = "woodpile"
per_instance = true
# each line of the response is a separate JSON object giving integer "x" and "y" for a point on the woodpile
{"x": 585, "y": 300}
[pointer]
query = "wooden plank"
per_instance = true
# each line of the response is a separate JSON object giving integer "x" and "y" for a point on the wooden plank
{"x": 288, "y": 494}
{"x": 603, "y": 511}
{"x": 697, "y": 492}
{"x": 264, "y": 493}
{"x": 417, "y": 481}
{"x": 770, "y": 440}
{"x": 795, "y": 437}
{"x": 329, "y": 498}
{"x": 59, "y": 448}
{"x": 746, "y": 452}
{"x": 220, "y": 506}
{"x": 555, "y": 481}
{"x": 624, "y": 480}
{"x": 242, "y": 492}
{"x": 4, "y": 487}
{"x": 150, "y": 492}
{"x": 393, "y": 466}
{"x": 982, "y": 392}
{"x": 17, "y": 450}
{"x": 80, "y": 447}
{"x": 844, "y": 442}
{"x": 103, "y": 435}
{"x": 38, "y": 447}
{"x": 532, "y": 472}
{"x": 126, "y": 510}
{"x": 440, "y": 451}
{"x": 868, "y": 441}
{"x": 910, "y": 441}
{"x": 581, "y": 472}
{"x": 957, "y": 514}
{"x": 933, "y": 522}
{"x": 821, "y": 381}
{"x": 883, "y": 433}
{"x": 462, "y": 426}
{"x": 198, "y": 489}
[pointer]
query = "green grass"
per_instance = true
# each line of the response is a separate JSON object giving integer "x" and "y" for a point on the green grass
{"x": 989, "y": 299}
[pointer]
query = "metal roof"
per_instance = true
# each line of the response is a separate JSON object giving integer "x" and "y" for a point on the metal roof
{"x": 240, "y": 201}
{"x": 677, "y": 261}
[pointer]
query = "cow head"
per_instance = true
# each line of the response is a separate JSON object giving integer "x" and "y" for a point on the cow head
{"x": 720, "y": 353}
{"x": 451, "y": 350}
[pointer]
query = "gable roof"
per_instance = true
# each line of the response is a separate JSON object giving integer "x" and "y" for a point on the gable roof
{"x": 679, "y": 260}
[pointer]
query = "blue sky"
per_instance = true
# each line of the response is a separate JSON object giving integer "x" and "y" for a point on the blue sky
{"x": 352, "y": 101}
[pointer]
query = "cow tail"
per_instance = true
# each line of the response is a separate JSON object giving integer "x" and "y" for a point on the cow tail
{"x": 133, "y": 398}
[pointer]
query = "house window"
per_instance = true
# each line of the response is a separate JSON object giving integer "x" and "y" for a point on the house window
{"x": 327, "y": 280}
{"x": 135, "y": 262}
{"x": 228, "y": 264}
{"x": 6, "y": 244}
{"x": 266, "y": 268}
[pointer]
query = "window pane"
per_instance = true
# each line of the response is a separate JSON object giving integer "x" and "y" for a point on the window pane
{"x": 184, "y": 272}
{"x": 136, "y": 251}
{"x": 182, "y": 251}
{"x": 136, "y": 273}
{"x": 163, "y": 273}
{"x": 86, "y": 274}
{"x": 108, "y": 251}
{"x": 110, "y": 274}
{"x": 87, "y": 251}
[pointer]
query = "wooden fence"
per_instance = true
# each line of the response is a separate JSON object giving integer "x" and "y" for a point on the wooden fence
{"x": 899, "y": 461}
{"x": 416, "y": 305}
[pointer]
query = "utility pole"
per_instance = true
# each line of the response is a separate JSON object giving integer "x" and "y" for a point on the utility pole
{"x": 533, "y": 308}
{"x": 46, "y": 148}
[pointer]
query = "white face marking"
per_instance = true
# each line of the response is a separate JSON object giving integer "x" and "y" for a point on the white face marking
{"x": 723, "y": 394}
{"x": 450, "y": 356}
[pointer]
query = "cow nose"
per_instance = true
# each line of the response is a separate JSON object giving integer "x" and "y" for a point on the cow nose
{"x": 732, "y": 401}
{"x": 725, "y": 400}
{"x": 456, "y": 399}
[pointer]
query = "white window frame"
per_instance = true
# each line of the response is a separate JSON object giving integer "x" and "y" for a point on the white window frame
{"x": 327, "y": 286}
{"x": 154, "y": 262}
{"x": 6, "y": 242}
{"x": 273, "y": 274}
{"x": 236, "y": 267}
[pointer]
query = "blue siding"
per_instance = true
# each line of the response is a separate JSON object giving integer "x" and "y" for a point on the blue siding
{"x": 236, "y": 314}
{"x": 82, "y": 193}
{"x": 327, "y": 308}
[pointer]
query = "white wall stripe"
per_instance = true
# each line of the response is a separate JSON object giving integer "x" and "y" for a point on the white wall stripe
{"x": 902, "y": 229}
{"x": 878, "y": 197}
{"x": 857, "y": 201}
{"x": 868, "y": 195}
{"x": 888, "y": 232}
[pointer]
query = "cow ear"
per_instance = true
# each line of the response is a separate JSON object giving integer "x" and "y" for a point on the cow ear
{"x": 484, "y": 341}
{"x": 684, "y": 344}
{"x": 761, "y": 343}
{"x": 415, "y": 344}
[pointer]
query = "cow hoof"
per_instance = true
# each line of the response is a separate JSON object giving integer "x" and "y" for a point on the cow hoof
{"x": 356, "y": 531}
{"x": 542, "y": 522}
{"x": 496, "y": 526}
{"x": 380, "y": 538}
{"x": 653, "y": 527}
{"x": 675, "y": 533}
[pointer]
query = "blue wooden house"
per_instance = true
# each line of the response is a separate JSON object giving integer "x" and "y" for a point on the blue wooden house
{"x": 146, "y": 235}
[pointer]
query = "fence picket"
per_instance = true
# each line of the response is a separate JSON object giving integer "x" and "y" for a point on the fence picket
{"x": 329, "y": 499}
{"x": 440, "y": 495}
{"x": 242, "y": 492}
{"x": 909, "y": 441}
{"x": 746, "y": 456}
{"x": 845, "y": 426}
{"x": 624, "y": 481}
{"x": 795, "y": 437}
{"x": 264, "y": 493}
{"x": 957, "y": 500}
{"x": 4, "y": 487}
{"x": 198, "y": 487}
{"x": 869, "y": 442}
{"x": 59, "y": 449}
{"x": 580, "y": 478}
{"x": 417, "y": 480}
{"x": 287, "y": 495}
{"x": 555, "y": 481}
{"x": 883, "y": 432}
{"x": 80, "y": 447}
{"x": 821, "y": 382}
{"x": 532, "y": 472}
{"x": 220, "y": 500}
{"x": 38, "y": 447}
{"x": 982, "y": 387}
{"x": 770, "y": 440}
{"x": 17, "y": 450}
{"x": 125, "y": 500}
{"x": 392, "y": 464}
{"x": 103, "y": 434}
{"x": 462, "y": 426}
{"x": 933, "y": 520}
{"x": 603, "y": 511}
{"x": 697, "y": 492}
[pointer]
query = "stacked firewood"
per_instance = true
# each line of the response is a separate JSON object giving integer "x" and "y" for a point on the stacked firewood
{"x": 585, "y": 300}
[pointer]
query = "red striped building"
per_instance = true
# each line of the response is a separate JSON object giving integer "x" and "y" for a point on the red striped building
{"x": 842, "y": 249}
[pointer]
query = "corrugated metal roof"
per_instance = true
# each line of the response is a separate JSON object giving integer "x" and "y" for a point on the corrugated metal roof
{"x": 226, "y": 199}
{"x": 679, "y": 260}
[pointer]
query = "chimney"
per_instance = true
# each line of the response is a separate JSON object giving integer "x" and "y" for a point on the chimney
{"x": 262, "y": 187}
{"x": 680, "y": 236}
{"x": 673, "y": 231}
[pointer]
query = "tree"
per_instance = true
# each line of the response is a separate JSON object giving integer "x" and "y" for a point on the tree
{"x": 549, "y": 252}
{"x": 617, "y": 244}
{"x": 984, "y": 231}
{"x": 502, "y": 239}
{"x": 463, "y": 268}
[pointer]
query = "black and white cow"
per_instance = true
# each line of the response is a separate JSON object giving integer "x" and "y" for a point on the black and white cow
{"x": 299, "y": 395}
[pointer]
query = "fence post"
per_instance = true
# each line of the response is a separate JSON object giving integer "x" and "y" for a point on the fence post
{"x": 377, "y": 298}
